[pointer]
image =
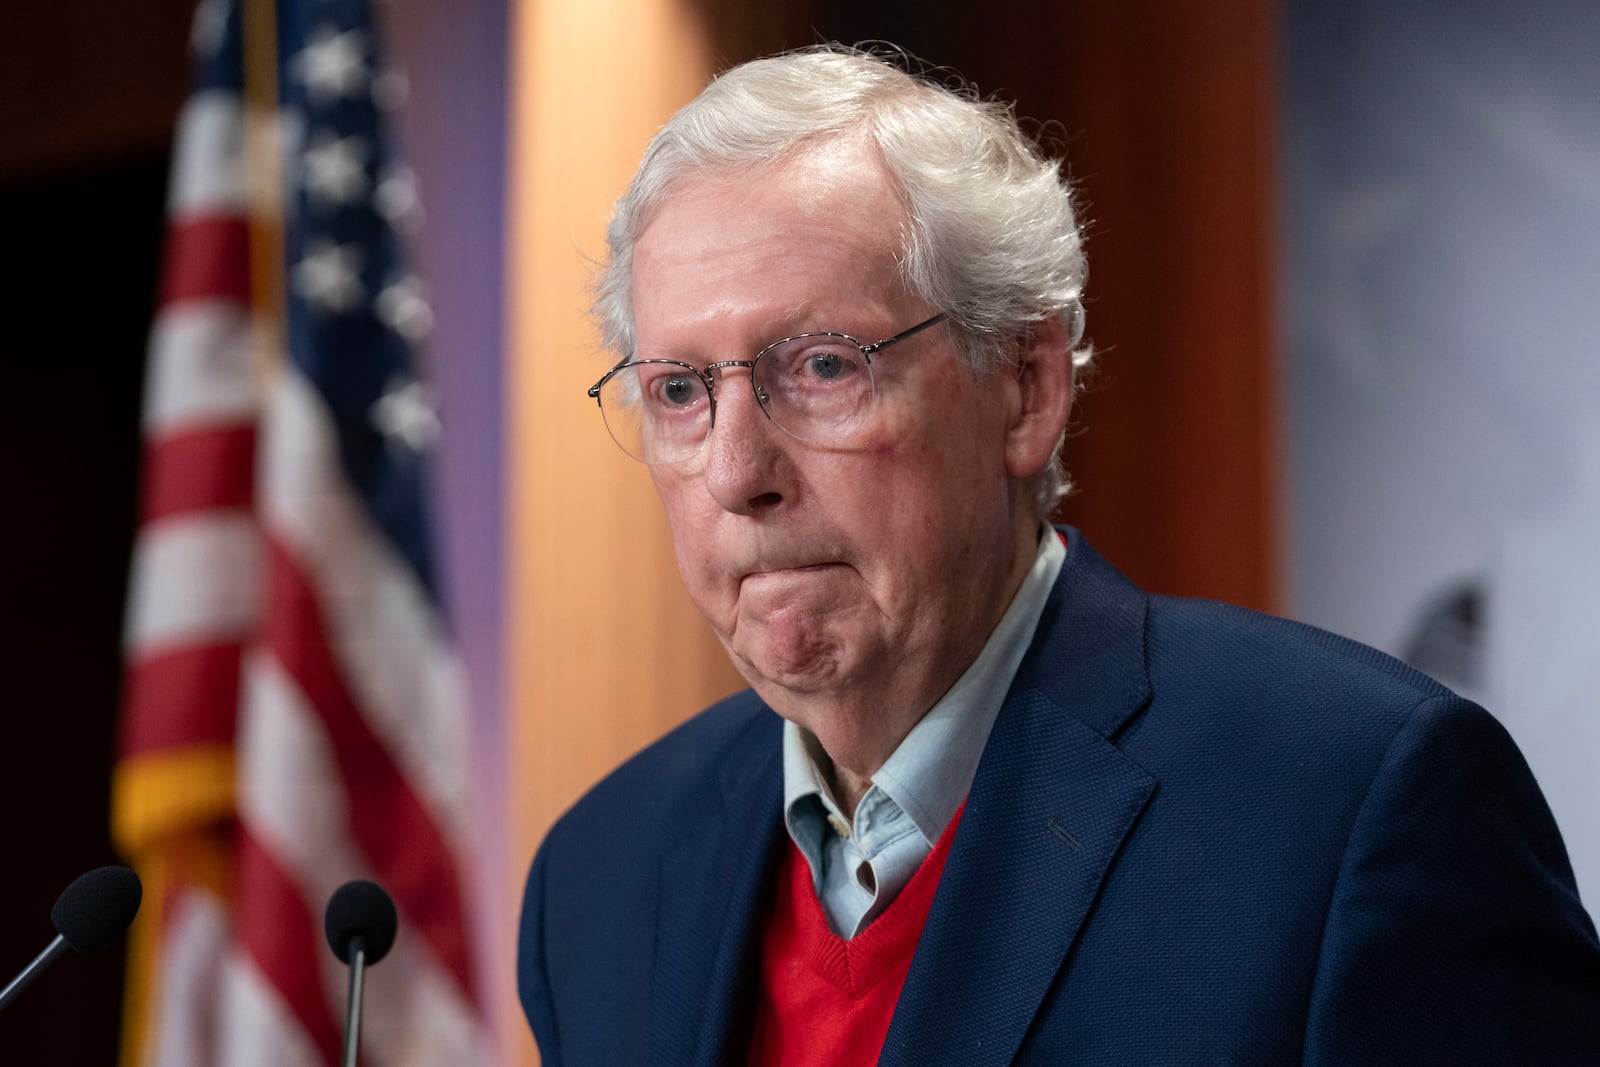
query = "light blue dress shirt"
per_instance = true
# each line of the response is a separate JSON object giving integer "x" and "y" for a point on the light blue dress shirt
{"x": 859, "y": 865}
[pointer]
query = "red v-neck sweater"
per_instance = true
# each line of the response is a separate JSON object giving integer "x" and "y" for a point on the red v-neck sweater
{"x": 825, "y": 1001}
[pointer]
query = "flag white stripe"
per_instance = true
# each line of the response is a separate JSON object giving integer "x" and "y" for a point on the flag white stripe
{"x": 292, "y": 800}
{"x": 207, "y": 178}
{"x": 258, "y": 1029}
{"x": 200, "y": 370}
{"x": 194, "y": 945}
{"x": 382, "y": 627}
{"x": 194, "y": 580}
{"x": 291, "y": 794}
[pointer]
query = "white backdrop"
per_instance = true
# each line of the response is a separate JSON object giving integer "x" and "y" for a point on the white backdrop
{"x": 1442, "y": 227}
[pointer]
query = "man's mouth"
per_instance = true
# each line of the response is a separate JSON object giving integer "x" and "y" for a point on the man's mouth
{"x": 796, "y": 569}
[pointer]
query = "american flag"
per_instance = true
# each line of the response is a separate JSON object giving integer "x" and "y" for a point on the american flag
{"x": 293, "y": 711}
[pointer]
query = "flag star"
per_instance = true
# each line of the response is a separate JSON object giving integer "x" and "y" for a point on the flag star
{"x": 396, "y": 197}
{"x": 209, "y": 27}
{"x": 403, "y": 307}
{"x": 333, "y": 64}
{"x": 335, "y": 169}
{"x": 405, "y": 415}
{"x": 330, "y": 276}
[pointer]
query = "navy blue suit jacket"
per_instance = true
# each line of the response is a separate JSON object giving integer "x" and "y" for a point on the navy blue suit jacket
{"x": 1197, "y": 835}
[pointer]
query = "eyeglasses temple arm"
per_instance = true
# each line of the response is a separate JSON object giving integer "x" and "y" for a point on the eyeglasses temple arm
{"x": 903, "y": 334}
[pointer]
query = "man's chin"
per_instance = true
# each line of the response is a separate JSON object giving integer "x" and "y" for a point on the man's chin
{"x": 785, "y": 665}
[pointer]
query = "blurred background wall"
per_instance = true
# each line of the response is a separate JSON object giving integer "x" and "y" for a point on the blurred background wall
{"x": 1340, "y": 261}
{"x": 1442, "y": 457}
{"x": 88, "y": 94}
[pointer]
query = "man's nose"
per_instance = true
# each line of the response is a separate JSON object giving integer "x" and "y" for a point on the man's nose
{"x": 745, "y": 459}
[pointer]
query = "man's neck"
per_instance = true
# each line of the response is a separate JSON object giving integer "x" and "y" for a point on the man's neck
{"x": 847, "y": 788}
{"x": 865, "y": 736}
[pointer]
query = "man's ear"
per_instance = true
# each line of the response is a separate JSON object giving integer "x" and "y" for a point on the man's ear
{"x": 1044, "y": 397}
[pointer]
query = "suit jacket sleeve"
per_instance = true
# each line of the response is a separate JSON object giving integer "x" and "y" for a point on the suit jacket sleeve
{"x": 1455, "y": 934}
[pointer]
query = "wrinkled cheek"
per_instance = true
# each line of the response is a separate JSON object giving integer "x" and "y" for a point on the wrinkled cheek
{"x": 708, "y": 590}
{"x": 717, "y": 602}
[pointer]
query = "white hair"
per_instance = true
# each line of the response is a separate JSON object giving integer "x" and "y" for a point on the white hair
{"x": 989, "y": 235}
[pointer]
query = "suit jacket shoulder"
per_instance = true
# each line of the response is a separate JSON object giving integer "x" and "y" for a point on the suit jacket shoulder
{"x": 633, "y": 890}
{"x": 678, "y": 772}
{"x": 1204, "y": 835}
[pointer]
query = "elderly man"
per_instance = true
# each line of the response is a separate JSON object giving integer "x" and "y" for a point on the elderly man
{"x": 986, "y": 801}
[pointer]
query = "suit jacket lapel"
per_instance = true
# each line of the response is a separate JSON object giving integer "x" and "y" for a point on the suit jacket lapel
{"x": 714, "y": 881}
{"x": 1051, "y": 805}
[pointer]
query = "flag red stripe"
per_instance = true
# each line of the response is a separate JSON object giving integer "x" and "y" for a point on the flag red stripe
{"x": 389, "y": 822}
{"x": 199, "y": 470}
{"x": 283, "y": 938}
{"x": 183, "y": 696}
{"x": 207, "y": 256}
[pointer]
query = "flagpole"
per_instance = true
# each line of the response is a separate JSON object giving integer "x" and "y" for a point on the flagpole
{"x": 264, "y": 173}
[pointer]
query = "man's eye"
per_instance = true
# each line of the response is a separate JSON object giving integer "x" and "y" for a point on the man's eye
{"x": 827, "y": 365}
{"x": 665, "y": 389}
{"x": 677, "y": 390}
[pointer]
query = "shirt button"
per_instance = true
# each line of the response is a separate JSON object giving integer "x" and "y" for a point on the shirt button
{"x": 840, "y": 827}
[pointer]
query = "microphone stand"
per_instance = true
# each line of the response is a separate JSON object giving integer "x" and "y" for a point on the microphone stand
{"x": 40, "y": 962}
{"x": 352, "y": 1010}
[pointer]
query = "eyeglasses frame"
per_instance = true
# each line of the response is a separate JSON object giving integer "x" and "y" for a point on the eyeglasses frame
{"x": 867, "y": 352}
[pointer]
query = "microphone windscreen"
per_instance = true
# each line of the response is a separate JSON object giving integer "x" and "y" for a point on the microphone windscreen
{"x": 360, "y": 909}
{"x": 97, "y": 906}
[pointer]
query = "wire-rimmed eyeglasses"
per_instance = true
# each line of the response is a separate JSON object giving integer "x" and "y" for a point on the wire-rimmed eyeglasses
{"x": 816, "y": 387}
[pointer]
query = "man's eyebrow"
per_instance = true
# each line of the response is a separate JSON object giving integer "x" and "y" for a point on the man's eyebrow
{"x": 803, "y": 318}
{"x": 799, "y": 319}
{"x": 809, "y": 318}
{"x": 799, "y": 313}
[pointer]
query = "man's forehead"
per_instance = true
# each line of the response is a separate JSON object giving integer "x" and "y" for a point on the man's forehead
{"x": 775, "y": 246}
{"x": 809, "y": 186}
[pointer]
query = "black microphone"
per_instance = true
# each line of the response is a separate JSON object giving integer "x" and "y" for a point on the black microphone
{"x": 88, "y": 914}
{"x": 360, "y": 924}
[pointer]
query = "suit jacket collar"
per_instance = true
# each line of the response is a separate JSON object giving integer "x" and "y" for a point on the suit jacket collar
{"x": 1088, "y": 653}
{"x": 1052, "y": 802}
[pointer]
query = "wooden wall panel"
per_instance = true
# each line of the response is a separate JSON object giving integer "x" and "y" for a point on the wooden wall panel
{"x": 1172, "y": 124}
{"x": 1166, "y": 112}
{"x": 604, "y": 651}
